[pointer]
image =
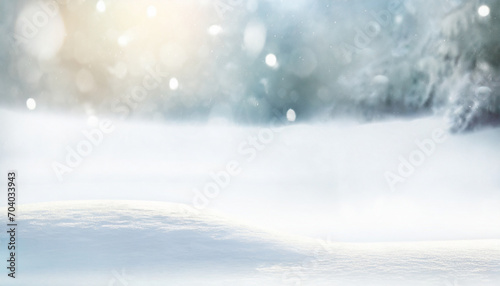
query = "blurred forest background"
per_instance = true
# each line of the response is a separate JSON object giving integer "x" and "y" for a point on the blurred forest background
{"x": 249, "y": 61}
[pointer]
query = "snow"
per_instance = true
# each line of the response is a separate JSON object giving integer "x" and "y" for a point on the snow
{"x": 137, "y": 242}
{"x": 254, "y": 130}
{"x": 314, "y": 180}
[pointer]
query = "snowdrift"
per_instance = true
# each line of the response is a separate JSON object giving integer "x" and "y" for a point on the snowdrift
{"x": 155, "y": 243}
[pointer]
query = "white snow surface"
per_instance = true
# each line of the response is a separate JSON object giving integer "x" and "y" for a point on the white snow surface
{"x": 316, "y": 180}
{"x": 154, "y": 243}
{"x": 320, "y": 188}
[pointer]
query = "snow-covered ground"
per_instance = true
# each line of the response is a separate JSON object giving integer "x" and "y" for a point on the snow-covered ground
{"x": 309, "y": 183}
{"x": 318, "y": 180}
{"x": 154, "y": 243}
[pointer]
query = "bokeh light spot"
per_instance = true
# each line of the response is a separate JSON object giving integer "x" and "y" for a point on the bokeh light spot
{"x": 173, "y": 83}
{"x": 483, "y": 11}
{"x": 214, "y": 30}
{"x": 290, "y": 115}
{"x": 100, "y": 6}
{"x": 271, "y": 60}
{"x": 151, "y": 11}
{"x": 31, "y": 103}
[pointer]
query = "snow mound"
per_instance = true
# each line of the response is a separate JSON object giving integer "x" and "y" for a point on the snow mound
{"x": 123, "y": 232}
{"x": 92, "y": 240}
{"x": 156, "y": 243}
